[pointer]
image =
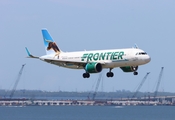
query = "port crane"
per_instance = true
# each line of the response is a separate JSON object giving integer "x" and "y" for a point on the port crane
{"x": 143, "y": 80}
{"x": 17, "y": 80}
{"x": 96, "y": 88}
{"x": 158, "y": 83}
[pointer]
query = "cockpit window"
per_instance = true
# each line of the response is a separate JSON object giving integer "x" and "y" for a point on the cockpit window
{"x": 141, "y": 53}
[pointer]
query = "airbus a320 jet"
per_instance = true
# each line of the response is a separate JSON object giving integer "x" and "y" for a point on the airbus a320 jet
{"x": 93, "y": 61}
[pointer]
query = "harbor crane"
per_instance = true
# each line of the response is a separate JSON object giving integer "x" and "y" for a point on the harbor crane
{"x": 17, "y": 80}
{"x": 97, "y": 85}
{"x": 158, "y": 83}
{"x": 96, "y": 88}
{"x": 143, "y": 80}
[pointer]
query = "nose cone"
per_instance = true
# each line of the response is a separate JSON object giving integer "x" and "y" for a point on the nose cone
{"x": 148, "y": 59}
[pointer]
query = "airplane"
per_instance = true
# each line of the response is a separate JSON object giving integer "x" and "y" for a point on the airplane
{"x": 93, "y": 61}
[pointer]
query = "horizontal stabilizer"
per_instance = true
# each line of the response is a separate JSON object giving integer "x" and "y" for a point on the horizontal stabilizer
{"x": 30, "y": 55}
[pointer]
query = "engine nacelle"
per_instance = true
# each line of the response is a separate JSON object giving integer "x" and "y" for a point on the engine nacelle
{"x": 93, "y": 67}
{"x": 129, "y": 68}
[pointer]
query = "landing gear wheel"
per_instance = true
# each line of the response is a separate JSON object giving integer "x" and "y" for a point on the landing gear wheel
{"x": 86, "y": 75}
{"x": 110, "y": 74}
{"x": 135, "y": 73}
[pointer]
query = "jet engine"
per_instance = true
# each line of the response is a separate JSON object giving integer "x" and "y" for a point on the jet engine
{"x": 93, "y": 67}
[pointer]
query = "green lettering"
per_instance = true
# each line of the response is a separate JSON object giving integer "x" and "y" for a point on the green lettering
{"x": 102, "y": 56}
{"x": 90, "y": 57}
{"x": 121, "y": 55}
{"x": 84, "y": 56}
{"x": 108, "y": 53}
{"x": 112, "y": 55}
{"x": 96, "y": 56}
{"x": 115, "y": 55}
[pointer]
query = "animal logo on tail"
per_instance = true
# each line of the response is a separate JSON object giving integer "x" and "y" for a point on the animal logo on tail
{"x": 53, "y": 46}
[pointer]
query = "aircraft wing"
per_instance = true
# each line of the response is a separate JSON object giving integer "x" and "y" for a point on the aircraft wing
{"x": 60, "y": 62}
{"x": 66, "y": 62}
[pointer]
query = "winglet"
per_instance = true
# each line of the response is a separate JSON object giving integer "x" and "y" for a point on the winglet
{"x": 30, "y": 55}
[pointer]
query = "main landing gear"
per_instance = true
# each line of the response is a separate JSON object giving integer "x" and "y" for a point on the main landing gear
{"x": 86, "y": 75}
{"x": 110, "y": 74}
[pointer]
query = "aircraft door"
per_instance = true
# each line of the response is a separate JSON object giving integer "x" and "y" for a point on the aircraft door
{"x": 133, "y": 55}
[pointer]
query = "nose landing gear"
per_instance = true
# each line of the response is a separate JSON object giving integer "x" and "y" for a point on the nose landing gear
{"x": 135, "y": 73}
{"x": 135, "y": 68}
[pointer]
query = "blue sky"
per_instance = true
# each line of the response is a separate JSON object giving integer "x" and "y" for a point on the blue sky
{"x": 86, "y": 25}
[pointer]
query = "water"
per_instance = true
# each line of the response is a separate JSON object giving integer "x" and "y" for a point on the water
{"x": 88, "y": 113}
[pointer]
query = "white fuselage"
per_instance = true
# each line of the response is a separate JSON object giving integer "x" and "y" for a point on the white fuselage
{"x": 108, "y": 58}
{"x": 92, "y": 61}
